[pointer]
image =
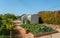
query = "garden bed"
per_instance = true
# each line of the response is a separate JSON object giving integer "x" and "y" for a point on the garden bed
{"x": 45, "y": 33}
{"x": 39, "y": 29}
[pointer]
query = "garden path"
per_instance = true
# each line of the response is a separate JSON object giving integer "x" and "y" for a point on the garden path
{"x": 21, "y": 30}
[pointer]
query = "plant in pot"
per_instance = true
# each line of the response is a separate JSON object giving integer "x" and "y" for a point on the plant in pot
{"x": 26, "y": 31}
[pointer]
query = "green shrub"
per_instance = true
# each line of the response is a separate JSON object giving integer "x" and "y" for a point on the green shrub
{"x": 3, "y": 36}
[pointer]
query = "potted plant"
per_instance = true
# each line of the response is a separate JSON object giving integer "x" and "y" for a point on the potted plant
{"x": 26, "y": 31}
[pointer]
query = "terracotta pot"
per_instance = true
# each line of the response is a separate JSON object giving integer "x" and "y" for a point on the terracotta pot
{"x": 26, "y": 31}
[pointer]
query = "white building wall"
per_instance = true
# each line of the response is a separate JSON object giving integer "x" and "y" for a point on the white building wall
{"x": 34, "y": 19}
{"x": 29, "y": 17}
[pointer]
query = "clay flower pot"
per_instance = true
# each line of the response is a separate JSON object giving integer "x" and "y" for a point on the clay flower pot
{"x": 26, "y": 31}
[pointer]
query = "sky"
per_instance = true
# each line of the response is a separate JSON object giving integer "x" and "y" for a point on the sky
{"x": 19, "y": 7}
